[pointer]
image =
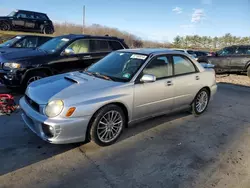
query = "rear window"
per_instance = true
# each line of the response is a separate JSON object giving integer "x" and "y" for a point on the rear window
{"x": 116, "y": 45}
{"x": 100, "y": 46}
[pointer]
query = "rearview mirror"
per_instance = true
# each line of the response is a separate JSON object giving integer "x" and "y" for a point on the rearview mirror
{"x": 68, "y": 51}
{"x": 146, "y": 78}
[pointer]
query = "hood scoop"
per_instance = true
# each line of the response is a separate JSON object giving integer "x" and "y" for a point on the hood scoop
{"x": 71, "y": 79}
{"x": 75, "y": 78}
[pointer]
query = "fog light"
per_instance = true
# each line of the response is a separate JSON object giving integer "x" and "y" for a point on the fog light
{"x": 48, "y": 130}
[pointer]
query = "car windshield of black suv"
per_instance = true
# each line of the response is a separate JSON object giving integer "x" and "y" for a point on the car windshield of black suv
{"x": 118, "y": 66}
{"x": 12, "y": 14}
{"x": 54, "y": 44}
{"x": 10, "y": 42}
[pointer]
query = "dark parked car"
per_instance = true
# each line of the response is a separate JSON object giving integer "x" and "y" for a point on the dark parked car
{"x": 23, "y": 20}
{"x": 201, "y": 53}
{"x": 233, "y": 59}
{"x": 23, "y": 42}
{"x": 58, "y": 55}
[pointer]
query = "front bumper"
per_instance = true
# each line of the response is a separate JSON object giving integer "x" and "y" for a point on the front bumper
{"x": 67, "y": 130}
{"x": 9, "y": 78}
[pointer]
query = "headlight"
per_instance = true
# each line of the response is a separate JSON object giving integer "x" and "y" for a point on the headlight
{"x": 54, "y": 108}
{"x": 11, "y": 65}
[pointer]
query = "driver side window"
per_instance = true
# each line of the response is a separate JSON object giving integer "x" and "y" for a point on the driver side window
{"x": 226, "y": 51}
{"x": 80, "y": 46}
{"x": 159, "y": 67}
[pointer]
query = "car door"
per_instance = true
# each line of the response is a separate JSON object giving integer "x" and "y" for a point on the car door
{"x": 155, "y": 97}
{"x": 79, "y": 59}
{"x": 19, "y": 20}
{"x": 30, "y": 22}
{"x": 185, "y": 81}
{"x": 99, "y": 49}
{"x": 222, "y": 59}
{"x": 240, "y": 58}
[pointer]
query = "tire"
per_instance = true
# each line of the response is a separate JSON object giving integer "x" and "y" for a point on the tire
{"x": 199, "y": 109}
{"x": 33, "y": 76}
{"x": 5, "y": 26}
{"x": 248, "y": 71}
{"x": 100, "y": 128}
{"x": 47, "y": 30}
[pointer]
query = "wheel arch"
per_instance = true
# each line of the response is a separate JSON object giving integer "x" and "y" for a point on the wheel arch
{"x": 120, "y": 104}
{"x": 32, "y": 70}
{"x": 247, "y": 65}
{"x": 205, "y": 87}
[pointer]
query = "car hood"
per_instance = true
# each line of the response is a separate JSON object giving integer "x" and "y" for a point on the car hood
{"x": 4, "y": 17}
{"x": 19, "y": 54}
{"x": 8, "y": 50}
{"x": 67, "y": 85}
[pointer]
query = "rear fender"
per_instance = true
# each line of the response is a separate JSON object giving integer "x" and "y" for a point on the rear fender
{"x": 247, "y": 65}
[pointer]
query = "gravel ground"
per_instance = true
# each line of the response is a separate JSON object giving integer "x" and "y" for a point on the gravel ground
{"x": 241, "y": 80}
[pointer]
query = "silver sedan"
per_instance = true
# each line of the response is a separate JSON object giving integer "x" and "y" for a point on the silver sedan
{"x": 126, "y": 86}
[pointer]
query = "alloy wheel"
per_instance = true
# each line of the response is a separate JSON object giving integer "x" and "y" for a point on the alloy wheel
{"x": 201, "y": 101}
{"x": 34, "y": 78}
{"x": 110, "y": 126}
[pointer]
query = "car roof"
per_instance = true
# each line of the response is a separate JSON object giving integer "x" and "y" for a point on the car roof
{"x": 33, "y": 36}
{"x": 79, "y": 36}
{"x": 150, "y": 51}
{"x": 30, "y": 11}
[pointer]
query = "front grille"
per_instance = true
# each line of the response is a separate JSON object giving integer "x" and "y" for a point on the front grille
{"x": 32, "y": 103}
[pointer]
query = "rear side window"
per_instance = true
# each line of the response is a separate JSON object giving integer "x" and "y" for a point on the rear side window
{"x": 100, "y": 46}
{"x": 183, "y": 65}
{"x": 116, "y": 45}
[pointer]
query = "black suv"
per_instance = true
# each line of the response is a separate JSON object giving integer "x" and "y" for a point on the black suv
{"x": 233, "y": 59}
{"x": 58, "y": 55}
{"x": 22, "y": 20}
{"x": 23, "y": 42}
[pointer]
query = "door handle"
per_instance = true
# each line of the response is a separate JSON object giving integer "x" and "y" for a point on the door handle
{"x": 169, "y": 83}
{"x": 87, "y": 57}
{"x": 197, "y": 77}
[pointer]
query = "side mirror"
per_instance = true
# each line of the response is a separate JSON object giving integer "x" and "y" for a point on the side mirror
{"x": 68, "y": 51}
{"x": 146, "y": 78}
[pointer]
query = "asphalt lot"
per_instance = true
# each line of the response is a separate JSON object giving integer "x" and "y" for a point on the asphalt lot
{"x": 177, "y": 150}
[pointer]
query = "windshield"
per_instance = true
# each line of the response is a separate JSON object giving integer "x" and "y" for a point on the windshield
{"x": 54, "y": 44}
{"x": 10, "y": 42}
{"x": 119, "y": 66}
{"x": 12, "y": 14}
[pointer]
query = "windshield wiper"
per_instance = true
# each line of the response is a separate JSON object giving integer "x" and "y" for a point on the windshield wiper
{"x": 87, "y": 72}
{"x": 99, "y": 75}
{"x": 96, "y": 74}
